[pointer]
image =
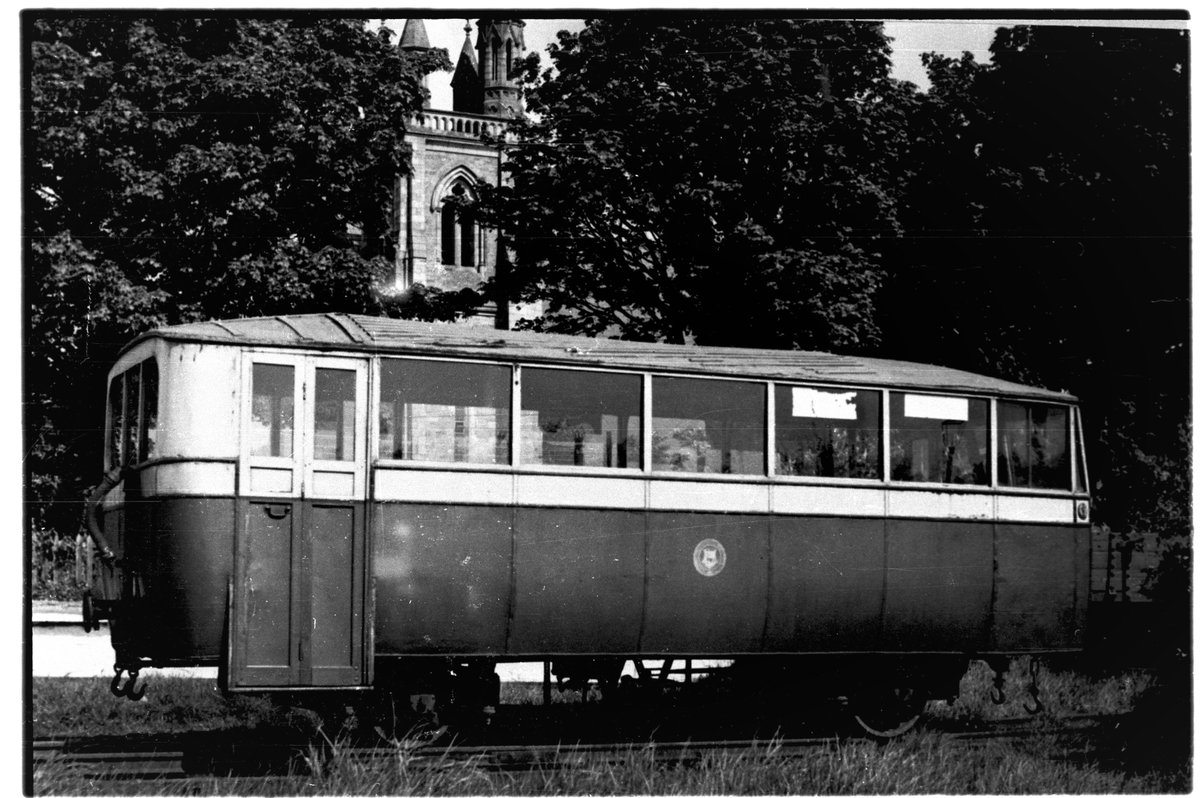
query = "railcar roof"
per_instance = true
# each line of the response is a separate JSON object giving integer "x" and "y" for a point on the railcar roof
{"x": 340, "y": 331}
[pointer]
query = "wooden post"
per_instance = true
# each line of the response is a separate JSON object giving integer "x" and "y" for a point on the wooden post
{"x": 546, "y": 682}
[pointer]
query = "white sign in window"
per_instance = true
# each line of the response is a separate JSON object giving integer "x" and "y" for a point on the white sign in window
{"x": 813, "y": 403}
{"x": 946, "y": 408}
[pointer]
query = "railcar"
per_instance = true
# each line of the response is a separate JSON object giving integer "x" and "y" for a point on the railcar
{"x": 332, "y": 503}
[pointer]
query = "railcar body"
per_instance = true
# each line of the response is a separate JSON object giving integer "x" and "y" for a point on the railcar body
{"x": 327, "y": 501}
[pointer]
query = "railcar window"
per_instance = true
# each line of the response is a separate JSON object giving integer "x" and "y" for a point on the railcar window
{"x": 1080, "y": 466}
{"x": 939, "y": 439}
{"x": 133, "y": 392}
{"x": 333, "y": 415}
{"x": 444, "y": 412}
{"x": 708, "y": 426}
{"x": 1033, "y": 446}
{"x": 272, "y": 423}
{"x": 116, "y": 421}
{"x": 149, "y": 424}
{"x": 133, "y": 414}
{"x": 826, "y": 432}
{"x": 581, "y": 418}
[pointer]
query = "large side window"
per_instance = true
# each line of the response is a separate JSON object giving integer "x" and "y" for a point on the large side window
{"x": 708, "y": 426}
{"x": 939, "y": 439}
{"x": 444, "y": 412}
{"x": 580, "y": 418}
{"x": 1033, "y": 446}
{"x": 827, "y": 432}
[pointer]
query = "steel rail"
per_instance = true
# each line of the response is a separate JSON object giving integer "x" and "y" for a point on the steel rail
{"x": 165, "y": 756}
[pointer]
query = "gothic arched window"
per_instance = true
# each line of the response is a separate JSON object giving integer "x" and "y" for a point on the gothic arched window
{"x": 466, "y": 227}
{"x": 496, "y": 76}
{"x": 449, "y": 214}
{"x": 507, "y": 59}
{"x": 459, "y": 230}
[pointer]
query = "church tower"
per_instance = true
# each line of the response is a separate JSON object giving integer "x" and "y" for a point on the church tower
{"x": 501, "y": 46}
{"x": 440, "y": 242}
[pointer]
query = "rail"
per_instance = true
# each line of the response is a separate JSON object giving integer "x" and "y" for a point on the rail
{"x": 184, "y": 755}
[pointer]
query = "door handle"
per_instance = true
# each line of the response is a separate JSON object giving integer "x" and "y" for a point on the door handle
{"x": 272, "y": 509}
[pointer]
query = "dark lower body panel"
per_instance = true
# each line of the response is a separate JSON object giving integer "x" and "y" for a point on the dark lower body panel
{"x": 513, "y": 583}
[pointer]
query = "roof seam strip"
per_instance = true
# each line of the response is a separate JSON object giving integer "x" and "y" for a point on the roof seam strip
{"x": 344, "y": 321}
{"x": 227, "y": 329}
{"x": 283, "y": 320}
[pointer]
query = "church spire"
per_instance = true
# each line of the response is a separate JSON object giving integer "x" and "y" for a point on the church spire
{"x": 414, "y": 36}
{"x": 412, "y": 39}
{"x": 468, "y": 88}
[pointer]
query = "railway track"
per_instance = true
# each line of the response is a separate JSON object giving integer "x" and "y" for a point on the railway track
{"x": 188, "y": 756}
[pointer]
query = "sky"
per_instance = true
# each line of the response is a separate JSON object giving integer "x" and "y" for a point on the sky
{"x": 910, "y": 38}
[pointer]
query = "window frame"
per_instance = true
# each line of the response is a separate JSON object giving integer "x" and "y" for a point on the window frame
{"x": 375, "y": 392}
{"x": 646, "y": 471}
{"x": 989, "y": 432}
{"x": 821, "y": 480}
{"x": 114, "y": 447}
{"x": 761, "y": 476}
{"x": 1079, "y": 471}
{"x": 1072, "y": 410}
{"x": 120, "y": 455}
{"x": 640, "y": 469}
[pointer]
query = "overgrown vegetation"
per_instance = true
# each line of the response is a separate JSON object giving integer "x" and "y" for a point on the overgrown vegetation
{"x": 924, "y": 762}
{"x": 763, "y": 182}
{"x": 181, "y": 168}
{"x": 921, "y": 764}
{"x": 723, "y": 180}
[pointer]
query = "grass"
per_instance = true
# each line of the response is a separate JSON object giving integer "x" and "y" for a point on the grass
{"x": 921, "y": 763}
{"x": 74, "y": 706}
{"x": 1149, "y": 752}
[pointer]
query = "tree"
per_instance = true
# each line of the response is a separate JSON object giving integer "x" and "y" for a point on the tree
{"x": 183, "y": 168}
{"x": 1047, "y": 239}
{"x": 711, "y": 179}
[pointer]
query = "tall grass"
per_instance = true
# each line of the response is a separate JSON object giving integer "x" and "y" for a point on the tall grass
{"x": 920, "y": 764}
{"x": 1147, "y": 751}
{"x": 78, "y": 706}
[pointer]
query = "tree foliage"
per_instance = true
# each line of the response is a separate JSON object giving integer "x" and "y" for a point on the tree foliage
{"x": 181, "y": 168}
{"x": 716, "y": 180}
{"x": 1046, "y": 240}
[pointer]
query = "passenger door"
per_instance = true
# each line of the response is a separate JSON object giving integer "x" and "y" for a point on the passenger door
{"x": 298, "y": 599}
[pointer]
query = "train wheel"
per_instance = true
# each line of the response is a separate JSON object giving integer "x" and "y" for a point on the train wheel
{"x": 888, "y": 712}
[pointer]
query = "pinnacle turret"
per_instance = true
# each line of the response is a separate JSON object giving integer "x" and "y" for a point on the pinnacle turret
{"x": 468, "y": 88}
{"x": 414, "y": 36}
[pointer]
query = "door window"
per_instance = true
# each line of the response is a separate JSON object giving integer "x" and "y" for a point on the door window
{"x": 272, "y": 418}
{"x": 333, "y": 415}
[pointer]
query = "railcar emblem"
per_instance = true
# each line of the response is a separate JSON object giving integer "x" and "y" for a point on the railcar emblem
{"x": 709, "y": 557}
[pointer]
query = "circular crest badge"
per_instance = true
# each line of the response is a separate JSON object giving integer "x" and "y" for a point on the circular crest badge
{"x": 709, "y": 557}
